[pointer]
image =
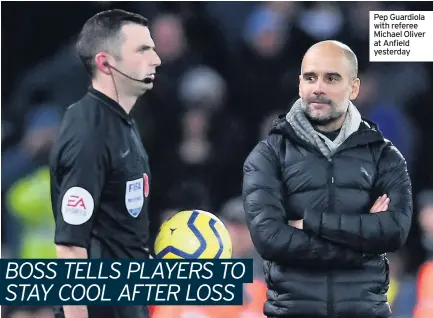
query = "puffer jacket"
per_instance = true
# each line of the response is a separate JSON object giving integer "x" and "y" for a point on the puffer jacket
{"x": 336, "y": 266}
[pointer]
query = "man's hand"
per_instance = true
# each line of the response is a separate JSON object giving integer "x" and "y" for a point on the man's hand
{"x": 299, "y": 224}
{"x": 380, "y": 205}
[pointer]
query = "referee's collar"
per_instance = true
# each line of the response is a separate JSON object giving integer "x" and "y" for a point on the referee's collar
{"x": 111, "y": 103}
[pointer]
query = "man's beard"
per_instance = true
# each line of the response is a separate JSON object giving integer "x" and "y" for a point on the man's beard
{"x": 329, "y": 118}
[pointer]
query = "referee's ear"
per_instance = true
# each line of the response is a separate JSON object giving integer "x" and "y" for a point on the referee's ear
{"x": 101, "y": 61}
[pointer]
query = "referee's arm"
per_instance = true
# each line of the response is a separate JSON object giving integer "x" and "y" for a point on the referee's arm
{"x": 79, "y": 164}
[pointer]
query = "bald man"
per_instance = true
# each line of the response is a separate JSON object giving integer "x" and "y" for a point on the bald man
{"x": 326, "y": 196}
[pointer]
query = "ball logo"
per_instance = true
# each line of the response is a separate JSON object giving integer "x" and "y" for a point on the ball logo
{"x": 77, "y": 206}
{"x": 134, "y": 196}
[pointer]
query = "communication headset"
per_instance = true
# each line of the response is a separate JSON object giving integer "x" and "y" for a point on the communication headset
{"x": 146, "y": 80}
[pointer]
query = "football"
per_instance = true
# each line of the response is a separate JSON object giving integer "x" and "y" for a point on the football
{"x": 193, "y": 234}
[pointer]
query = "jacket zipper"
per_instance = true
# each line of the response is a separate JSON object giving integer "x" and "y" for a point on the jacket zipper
{"x": 331, "y": 210}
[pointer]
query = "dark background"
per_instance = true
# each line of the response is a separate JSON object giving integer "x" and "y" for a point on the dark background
{"x": 227, "y": 69}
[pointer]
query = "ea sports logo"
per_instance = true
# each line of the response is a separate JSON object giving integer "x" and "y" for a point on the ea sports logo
{"x": 77, "y": 206}
{"x": 75, "y": 201}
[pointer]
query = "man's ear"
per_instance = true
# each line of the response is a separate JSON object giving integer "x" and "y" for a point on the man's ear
{"x": 299, "y": 86}
{"x": 355, "y": 89}
{"x": 102, "y": 62}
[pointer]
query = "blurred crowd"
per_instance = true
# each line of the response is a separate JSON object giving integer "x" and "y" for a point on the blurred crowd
{"x": 228, "y": 69}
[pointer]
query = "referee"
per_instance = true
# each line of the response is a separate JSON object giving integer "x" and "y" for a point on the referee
{"x": 100, "y": 174}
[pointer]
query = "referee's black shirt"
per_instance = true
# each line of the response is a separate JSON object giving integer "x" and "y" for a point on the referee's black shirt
{"x": 100, "y": 180}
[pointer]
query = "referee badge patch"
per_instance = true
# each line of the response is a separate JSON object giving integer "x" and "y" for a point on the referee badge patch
{"x": 134, "y": 196}
{"x": 77, "y": 206}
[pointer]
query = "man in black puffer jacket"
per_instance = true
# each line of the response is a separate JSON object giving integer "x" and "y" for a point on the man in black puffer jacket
{"x": 326, "y": 196}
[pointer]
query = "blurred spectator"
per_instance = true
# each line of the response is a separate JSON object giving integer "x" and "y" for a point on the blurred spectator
{"x": 188, "y": 160}
{"x": 169, "y": 37}
{"x": 29, "y": 202}
{"x": 202, "y": 87}
{"x": 29, "y": 312}
{"x": 322, "y": 21}
{"x": 195, "y": 148}
{"x": 61, "y": 76}
{"x": 39, "y": 133}
{"x": 424, "y": 306}
{"x": 230, "y": 21}
{"x": 425, "y": 204}
{"x": 162, "y": 104}
{"x": 390, "y": 116}
{"x": 402, "y": 289}
{"x": 424, "y": 294}
{"x": 210, "y": 144}
{"x": 267, "y": 27}
{"x": 357, "y": 28}
{"x": 36, "y": 130}
{"x": 267, "y": 63}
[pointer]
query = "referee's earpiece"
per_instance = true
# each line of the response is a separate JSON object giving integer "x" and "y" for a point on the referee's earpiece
{"x": 146, "y": 80}
{"x": 107, "y": 65}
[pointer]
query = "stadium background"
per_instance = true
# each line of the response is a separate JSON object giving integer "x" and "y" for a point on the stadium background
{"x": 227, "y": 69}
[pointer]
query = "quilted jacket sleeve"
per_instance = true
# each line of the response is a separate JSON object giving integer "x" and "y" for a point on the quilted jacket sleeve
{"x": 373, "y": 232}
{"x": 273, "y": 238}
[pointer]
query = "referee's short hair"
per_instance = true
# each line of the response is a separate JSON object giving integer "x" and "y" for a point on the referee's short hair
{"x": 102, "y": 32}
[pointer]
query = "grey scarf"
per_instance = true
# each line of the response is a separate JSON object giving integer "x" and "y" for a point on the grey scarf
{"x": 303, "y": 128}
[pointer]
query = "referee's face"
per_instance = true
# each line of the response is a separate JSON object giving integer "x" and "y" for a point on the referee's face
{"x": 325, "y": 85}
{"x": 139, "y": 59}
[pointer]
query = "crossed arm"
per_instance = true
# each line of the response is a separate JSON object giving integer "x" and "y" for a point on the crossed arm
{"x": 386, "y": 227}
{"x": 273, "y": 238}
